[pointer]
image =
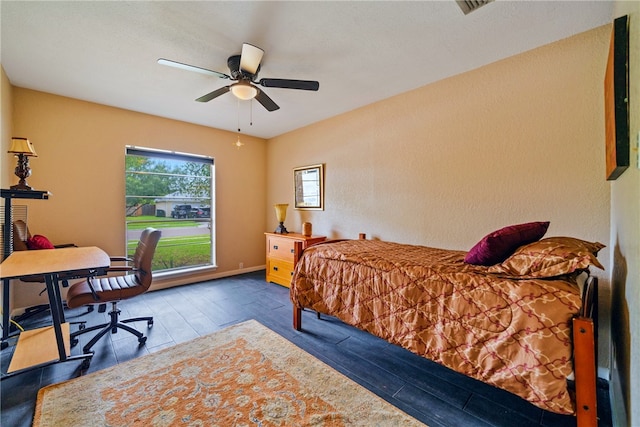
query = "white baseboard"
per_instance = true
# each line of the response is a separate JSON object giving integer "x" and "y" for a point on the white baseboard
{"x": 197, "y": 276}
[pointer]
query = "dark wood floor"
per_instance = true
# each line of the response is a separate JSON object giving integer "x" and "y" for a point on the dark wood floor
{"x": 433, "y": 394}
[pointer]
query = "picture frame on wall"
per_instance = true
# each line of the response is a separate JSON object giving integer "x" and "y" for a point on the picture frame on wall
{"x": 308, "y": 187}
{"x": 616, "y": 95}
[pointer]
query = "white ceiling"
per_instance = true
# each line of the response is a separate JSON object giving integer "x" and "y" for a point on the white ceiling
{"x": 360, "y": 52}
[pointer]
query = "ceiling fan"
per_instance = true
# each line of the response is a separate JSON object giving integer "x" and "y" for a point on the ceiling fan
{"x": 244, "y": 70}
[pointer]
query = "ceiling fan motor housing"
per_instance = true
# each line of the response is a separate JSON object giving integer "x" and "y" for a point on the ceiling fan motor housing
{"x": 234, "y": 69}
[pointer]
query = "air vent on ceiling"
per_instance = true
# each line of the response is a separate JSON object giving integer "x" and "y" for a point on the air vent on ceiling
{"x": 469, "y": 6}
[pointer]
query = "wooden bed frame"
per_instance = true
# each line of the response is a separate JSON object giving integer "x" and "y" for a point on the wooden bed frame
{"x": 584, "y": 347}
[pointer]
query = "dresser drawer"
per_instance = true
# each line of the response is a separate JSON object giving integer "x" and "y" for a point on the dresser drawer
{"x": 280, "y": 255}
{"x": 279, "y": 271}
{"x": 281, "y": 248}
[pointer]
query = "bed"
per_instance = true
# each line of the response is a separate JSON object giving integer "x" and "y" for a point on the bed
{"x": 524, "y": 324}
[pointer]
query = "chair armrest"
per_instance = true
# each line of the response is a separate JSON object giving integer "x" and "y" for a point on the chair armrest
{"x": 117, "y": 268}
{"x": 126, "y": 268}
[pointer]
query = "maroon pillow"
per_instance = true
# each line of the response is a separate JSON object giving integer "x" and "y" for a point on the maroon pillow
{"x": 499, "y": 245}
{"x": 39, "y": 242}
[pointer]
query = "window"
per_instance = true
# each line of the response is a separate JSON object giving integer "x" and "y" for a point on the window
{"x": 173, "y": 192}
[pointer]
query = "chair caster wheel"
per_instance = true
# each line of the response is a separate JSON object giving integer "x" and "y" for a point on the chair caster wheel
{"x": 74, "y": 342}
{"x": 81, "y": 326}
{"x": 85, "y": 364}
{"x": 142, "y": 340}
{"x": 150, "y": 323}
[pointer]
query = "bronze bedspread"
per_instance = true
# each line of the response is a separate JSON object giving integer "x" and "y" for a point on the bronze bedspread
{"x": 512, "y": 333}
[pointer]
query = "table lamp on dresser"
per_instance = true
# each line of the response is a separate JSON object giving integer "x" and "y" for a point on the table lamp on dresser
{"x": 281, "y": 215}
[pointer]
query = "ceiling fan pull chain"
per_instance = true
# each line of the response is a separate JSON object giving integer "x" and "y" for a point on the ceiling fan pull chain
{"x": 238, "y": 111}
{"x": 238, "y": 143}
{"x": 251, "y": 113}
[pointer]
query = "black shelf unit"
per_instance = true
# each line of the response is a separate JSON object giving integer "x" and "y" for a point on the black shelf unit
{"x": 9, "y": 195}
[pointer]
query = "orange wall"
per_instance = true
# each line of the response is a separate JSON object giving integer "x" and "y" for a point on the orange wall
{"x": 515, "y": 141}
{"x": 81, "y": 148}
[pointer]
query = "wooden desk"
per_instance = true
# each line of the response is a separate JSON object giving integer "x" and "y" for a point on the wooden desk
{"x": 73, "y": 263}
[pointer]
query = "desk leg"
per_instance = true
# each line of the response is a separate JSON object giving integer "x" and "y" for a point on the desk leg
{"x": 6, "y": 315}
{"x": 57, "y": 314}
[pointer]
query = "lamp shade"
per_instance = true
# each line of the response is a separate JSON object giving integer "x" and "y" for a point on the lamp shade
{"x": 243, "y": 90}
{"x": 22, "y": 146}
{"x": 281, "y": 214}
{"x": 281, "y": 211}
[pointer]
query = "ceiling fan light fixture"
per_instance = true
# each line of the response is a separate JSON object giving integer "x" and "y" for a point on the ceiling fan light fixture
{"x": 243, "y": 90}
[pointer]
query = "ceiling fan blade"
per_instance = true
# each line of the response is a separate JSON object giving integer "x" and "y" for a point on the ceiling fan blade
{"x": 250, "y": 58}
{"x": 266, "y": 101}
{"x": 216, "y": 93}
{"x": 290, "y": 84}
{"x": 188, "y": 67}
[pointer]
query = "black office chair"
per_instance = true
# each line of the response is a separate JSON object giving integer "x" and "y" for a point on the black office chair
{"x": 100, "y": 290}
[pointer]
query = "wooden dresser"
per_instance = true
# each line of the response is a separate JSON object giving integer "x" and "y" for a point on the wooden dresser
{"x": 280, "y": 254}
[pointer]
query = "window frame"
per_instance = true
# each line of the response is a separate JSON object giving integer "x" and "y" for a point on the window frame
{"x": 173, "y": 200}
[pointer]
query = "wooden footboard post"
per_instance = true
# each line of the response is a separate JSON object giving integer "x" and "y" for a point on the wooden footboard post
{"x": 585, "y": 371}
{"x": 297, "y": 311}
{"x": 584, "y": 355}
{"x": 297, "y": 318}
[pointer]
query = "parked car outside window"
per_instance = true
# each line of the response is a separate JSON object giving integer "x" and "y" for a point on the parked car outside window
{"x": 201, "y": 212}
{"x": 181, "y": 211}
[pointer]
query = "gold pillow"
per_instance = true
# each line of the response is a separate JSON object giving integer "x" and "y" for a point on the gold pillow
{"x": 550, "y": 257}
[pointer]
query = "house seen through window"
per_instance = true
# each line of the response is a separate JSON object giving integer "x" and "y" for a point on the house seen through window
{"x": 173, "y": 192}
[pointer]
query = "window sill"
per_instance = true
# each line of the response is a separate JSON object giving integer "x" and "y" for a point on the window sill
{"x": 169, "y": 279}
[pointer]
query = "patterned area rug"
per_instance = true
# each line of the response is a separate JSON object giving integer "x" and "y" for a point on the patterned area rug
{"x": 244, "y": 375}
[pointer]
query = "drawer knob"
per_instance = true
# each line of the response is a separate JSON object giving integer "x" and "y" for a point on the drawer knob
{"x": 275, "y": 247}
{"x": 275, "y": 268}
{"x": 293, "y": 251}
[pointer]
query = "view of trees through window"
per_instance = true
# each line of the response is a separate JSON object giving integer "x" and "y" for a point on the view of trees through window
{"x": 172, "y": 192}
